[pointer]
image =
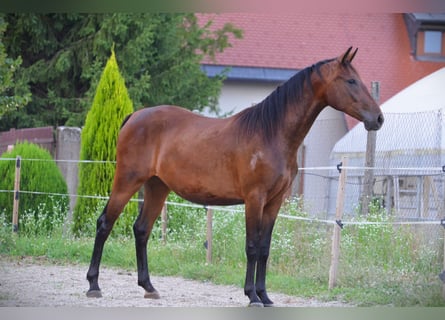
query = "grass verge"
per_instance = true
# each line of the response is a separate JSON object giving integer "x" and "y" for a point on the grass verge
{"x": 379, "y": 264}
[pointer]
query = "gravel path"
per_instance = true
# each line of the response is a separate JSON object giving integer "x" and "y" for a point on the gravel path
{"x": 32, "y": 283}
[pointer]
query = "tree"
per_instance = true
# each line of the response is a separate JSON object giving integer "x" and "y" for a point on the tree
{"x": 159, "y": 55}
{"x": 13, "y": 93}
{"x": 110, "y": 106}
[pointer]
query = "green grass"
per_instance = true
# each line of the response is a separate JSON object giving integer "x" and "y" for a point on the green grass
{"x": 379, "y": 265}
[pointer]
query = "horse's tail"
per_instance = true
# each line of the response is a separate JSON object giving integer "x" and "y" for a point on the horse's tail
{"x": 125, "y": 120}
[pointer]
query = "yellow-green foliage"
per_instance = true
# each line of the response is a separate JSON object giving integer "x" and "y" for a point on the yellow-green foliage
{"x": 110, "y": 106}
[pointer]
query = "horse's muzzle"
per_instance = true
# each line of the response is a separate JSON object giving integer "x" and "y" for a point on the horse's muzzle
{"x": 375, "y": 124}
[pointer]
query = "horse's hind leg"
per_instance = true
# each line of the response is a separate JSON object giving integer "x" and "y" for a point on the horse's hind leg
{"x": 118, "y": 199}
{"x": 155, "y": 193}
{"x": 103, "y": 228}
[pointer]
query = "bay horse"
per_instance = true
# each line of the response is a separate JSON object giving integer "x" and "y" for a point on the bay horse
{"x": 248, "y": 158}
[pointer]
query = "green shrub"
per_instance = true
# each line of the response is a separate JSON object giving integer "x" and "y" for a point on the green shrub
{"x": 110, "y": 106}
{"x": 41, "y": 175}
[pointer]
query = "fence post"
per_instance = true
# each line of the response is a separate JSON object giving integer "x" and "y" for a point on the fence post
{"x": 15, "y": 208}
{"x": 335, "y": 251}
{"x": 164, "y": 224}
{"x": 209, "y": 235}
{"x": 368, "y": 179}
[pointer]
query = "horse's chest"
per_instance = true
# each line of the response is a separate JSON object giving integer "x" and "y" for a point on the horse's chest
{"x": 255, "y": 159}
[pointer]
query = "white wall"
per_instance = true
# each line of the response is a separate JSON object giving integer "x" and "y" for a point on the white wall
{"x": 238, "y": 95}
{"x": 327, "y": 129}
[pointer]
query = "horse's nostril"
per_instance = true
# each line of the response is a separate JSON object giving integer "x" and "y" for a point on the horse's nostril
{"x": 380, "y": 119}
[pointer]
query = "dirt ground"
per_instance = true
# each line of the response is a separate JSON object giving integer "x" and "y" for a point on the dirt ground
{"x": 28, "y": 282}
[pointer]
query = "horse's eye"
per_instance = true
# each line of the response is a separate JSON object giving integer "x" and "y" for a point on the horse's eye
{"x": 352, "y": 81}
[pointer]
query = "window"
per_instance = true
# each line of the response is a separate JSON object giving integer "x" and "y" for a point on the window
{"x": 433, "y": 42}
{"x": 430, "y": 45}
{"x": 426, "y": 33}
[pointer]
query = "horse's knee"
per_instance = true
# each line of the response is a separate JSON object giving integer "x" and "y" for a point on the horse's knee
{"x": 264, "y": 252}
{"x": 140, "y": 231}
{"x": 252, "y": 251}
{"x": 103, "y": 225}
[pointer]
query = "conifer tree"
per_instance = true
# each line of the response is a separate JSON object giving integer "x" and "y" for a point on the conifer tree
{"x": 110, "y": 106}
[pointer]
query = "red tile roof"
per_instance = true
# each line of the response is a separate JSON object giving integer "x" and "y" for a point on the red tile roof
{"x": 295, "y": 41}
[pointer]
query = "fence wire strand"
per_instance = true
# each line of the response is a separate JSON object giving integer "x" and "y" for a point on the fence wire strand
{"x": 433, "y": 171}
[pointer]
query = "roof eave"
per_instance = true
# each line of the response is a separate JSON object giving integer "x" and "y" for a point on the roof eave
{"x": 242, "y": 73}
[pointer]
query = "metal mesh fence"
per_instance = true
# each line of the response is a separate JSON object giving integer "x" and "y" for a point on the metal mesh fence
{"x": 408, "y": 174}
{"x": 408, "y": 177}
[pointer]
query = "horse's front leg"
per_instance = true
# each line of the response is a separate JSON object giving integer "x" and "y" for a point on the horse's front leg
{"x": 253, "y": 224}
{"x": 249, "y": 284}
{"x": 270, "y": 213}
{"x": 263, "y": 256}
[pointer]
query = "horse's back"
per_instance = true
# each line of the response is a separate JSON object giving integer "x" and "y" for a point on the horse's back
{"x": 170, "y": 117}
{"x": 187, "y": 151}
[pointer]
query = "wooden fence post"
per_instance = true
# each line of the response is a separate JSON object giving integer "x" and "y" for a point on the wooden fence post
{"x": 209, "y": 235}
{"x": 164, "y": 224}
{"x": 368, "y": 178}
{"x": 335, "y": 251}
{"x": 15, "y": 209}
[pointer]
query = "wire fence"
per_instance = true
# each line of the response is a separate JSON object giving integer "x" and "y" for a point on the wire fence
{"x": 433, "y": 178}
{"x": 408, "y": 186}
{"x": 429, "y": 223}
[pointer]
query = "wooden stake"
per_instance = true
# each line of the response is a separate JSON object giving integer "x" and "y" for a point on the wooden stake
{"x": 164, "y": 223}
{"x": 368, "y": 178}
{"x": 209, "y": 235}
{"x": 15, "y": 209}
{"x": 335, "y": 251}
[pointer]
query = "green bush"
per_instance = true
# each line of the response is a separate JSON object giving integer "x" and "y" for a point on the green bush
{"x": 39, "y": 173}
{"x": 110, "y": 106}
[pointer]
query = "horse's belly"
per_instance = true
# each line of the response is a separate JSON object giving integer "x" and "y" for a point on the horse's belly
{"x": 204, "y": 189}
{"x": 210, "y": 199}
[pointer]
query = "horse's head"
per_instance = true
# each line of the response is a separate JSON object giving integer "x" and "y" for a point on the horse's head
{"x": 345, "y": 91}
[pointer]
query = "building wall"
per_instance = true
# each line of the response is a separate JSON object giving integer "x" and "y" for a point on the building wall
{"x": 328, "y": 128}
{"x": 238, "y": 95}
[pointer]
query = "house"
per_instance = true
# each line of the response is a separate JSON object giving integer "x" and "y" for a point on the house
{"x": 395, "y": 49}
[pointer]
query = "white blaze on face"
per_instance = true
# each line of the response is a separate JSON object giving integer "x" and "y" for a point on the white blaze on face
{"x": 255, "y": 157}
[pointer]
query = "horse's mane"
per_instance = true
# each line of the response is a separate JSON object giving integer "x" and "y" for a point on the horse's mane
{"x": 268, "y": 115}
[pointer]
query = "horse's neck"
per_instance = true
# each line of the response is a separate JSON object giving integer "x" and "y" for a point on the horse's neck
{"x": 299, "y": 120}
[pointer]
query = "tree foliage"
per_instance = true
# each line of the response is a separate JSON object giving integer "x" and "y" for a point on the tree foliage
{"x": 159, "y": 55}
{"x": 110, "y": 106}
{"x": 13, "y": 93}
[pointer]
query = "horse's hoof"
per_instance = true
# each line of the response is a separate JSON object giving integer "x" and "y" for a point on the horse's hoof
{"x": 256, "y": 304}
{"x": 94, "y": 294}
{"x": 268, "y": 304}
{"x": 152, "y": 295}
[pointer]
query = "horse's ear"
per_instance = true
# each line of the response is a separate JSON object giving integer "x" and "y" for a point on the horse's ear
{"x": 353, "y": 55}
{"x": 345, "y": 56}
